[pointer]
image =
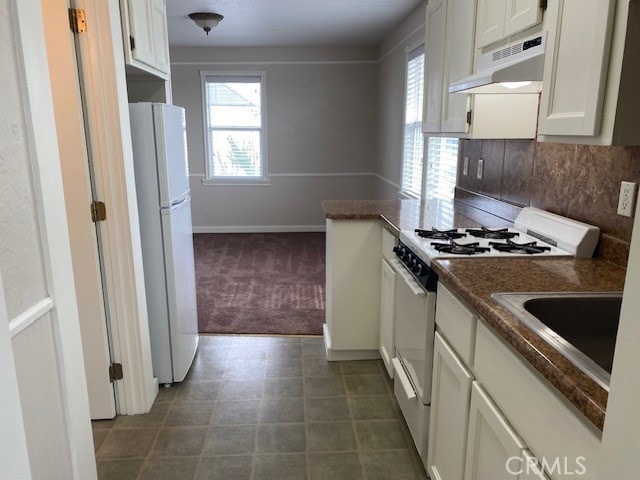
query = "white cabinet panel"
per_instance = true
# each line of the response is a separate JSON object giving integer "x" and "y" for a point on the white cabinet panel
{"x": 461, "y": 19}
{"x": 387, "y": 314}
{"x": 457, "y": 323}
{"x": 160, "y": 36}
{"x": 531, "y": 470}
{"x": 449, "y": 419}
{"x": 576, "y": 65}
{"x": 491, "y": 441}
{"x": 140, "y": 13}
{"x": 490, "y": 21}
{"x": 434, "y": 66}
{"x": 520, "y": 15}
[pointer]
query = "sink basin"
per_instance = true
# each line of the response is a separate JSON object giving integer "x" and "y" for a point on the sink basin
{"x": 581, "y": 326}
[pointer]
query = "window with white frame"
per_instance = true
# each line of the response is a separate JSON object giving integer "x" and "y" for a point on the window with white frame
{"x": 234, "y": 126}
{"x": 413, "y": 149}
{"x": 442, "y": 167}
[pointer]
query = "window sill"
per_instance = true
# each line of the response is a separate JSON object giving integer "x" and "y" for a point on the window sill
{"x": 263, "y": 182}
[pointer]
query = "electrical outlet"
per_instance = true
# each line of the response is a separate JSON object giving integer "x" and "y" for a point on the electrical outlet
{"x": 627, "y": 199}
{"x": 465, "y": 166}
{"x": 480, "y": 168}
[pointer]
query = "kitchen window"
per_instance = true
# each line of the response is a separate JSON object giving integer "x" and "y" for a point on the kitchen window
{"x": 234, "y": 127}
{"x": 442, "y": 169}
{"x": 413, "y": 147}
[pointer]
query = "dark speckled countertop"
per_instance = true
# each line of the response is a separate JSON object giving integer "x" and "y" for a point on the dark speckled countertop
{"x": 475, "y": 280}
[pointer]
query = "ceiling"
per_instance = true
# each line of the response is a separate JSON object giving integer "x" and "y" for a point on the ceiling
{"x": 287, "y": 22}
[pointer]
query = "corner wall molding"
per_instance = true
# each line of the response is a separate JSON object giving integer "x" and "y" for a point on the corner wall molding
{"x": 299, "y": 62}
{"x": 260, "y": 229}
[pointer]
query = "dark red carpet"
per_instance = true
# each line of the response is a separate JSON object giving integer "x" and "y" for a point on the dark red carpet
{"x": 270, "y": 283}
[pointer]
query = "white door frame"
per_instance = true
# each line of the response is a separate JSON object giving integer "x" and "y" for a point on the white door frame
{"x": 102, "y": 76}
{"x": 14, "y": 460}
{"x": 47, "y": 180}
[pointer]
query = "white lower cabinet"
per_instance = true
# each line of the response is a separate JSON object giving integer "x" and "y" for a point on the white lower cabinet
{"x": 451, "y": 390}
{"x": 530, "y": 468}
{"x": 492, "y": 445}
{"x": 387, "y": 313}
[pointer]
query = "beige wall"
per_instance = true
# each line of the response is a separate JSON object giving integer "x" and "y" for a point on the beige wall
{"x": 321, "y": 110}
{"x": 391, "y": 87}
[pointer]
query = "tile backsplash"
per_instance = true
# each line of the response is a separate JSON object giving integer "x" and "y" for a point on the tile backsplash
{"x": 577, "y": 181}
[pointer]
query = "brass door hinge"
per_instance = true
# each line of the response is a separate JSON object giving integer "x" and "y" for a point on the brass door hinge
{"x": 469, "y": 116}
{"x": 115, "y": 372}
{"x": 77, "y": 20}
{"x": 98, "y": 212}
{"x": 132, "y": 42}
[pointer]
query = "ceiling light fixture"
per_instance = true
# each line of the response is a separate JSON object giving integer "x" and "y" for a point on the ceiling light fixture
{"x": 206, "y": 20}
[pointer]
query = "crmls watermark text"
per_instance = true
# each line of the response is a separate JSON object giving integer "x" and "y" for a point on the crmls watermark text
{"x": 558, "y": 465}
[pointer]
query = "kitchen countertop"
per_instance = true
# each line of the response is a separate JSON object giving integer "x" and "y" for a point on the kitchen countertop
{"x": 408, "y": 214}
{"x": 474, "y": 281}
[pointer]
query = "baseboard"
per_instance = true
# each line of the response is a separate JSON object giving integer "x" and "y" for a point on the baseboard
{"x": 261, "y": 229}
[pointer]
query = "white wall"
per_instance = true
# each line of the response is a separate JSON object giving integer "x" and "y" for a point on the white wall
{"x": 391, "y": 87}
{"x": 321, "y": 111}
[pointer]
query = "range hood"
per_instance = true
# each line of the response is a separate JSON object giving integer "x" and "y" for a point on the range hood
{"x": 516, "y": 68}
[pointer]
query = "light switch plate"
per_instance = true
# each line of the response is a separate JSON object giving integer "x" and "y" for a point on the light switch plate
{"x": 480, "y": 168}
{"x": 465, "y": 166}
{"x": 627, "y": 199}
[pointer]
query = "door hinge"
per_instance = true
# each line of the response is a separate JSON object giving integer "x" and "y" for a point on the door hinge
{"x": 543, "y": 4}
{"x": 132, "y": 42}
{"x": 469, "y": 116}
{"x": 115, "y": 372}
{"x": 98, "y": 212}
{"x": 77, "y": 20}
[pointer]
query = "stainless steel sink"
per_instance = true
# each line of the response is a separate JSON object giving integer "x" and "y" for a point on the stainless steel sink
{"x": 581, "y": 326}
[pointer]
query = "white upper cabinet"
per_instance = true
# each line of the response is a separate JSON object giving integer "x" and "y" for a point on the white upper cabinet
{"x": 434, "y": 65}
{"x": 589, "y": 92}
{"x": 498, "y": 19}
{"x": 144, "y": 27}
{"x": 520, "y": 15}
{"x": 449, "y": 57}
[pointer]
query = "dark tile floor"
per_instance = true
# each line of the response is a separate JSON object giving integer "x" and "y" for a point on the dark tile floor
{"x": 264, "y": 408}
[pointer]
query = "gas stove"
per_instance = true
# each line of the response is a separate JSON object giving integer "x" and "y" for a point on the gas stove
{"x": 536, "y": 233}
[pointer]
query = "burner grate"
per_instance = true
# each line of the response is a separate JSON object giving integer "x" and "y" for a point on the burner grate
{"x": 493, "y": 234}
{"x": 531, "y": 248}
{"x": 459, "y": 249}
{"x": 436, "y": 234}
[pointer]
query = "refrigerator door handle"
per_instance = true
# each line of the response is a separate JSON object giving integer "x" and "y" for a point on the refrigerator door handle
{"x": 177, "y": 206}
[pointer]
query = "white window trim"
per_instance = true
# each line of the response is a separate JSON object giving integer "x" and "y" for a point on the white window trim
{"x": 402, "y": 194}
{"x": 235, "y": 181}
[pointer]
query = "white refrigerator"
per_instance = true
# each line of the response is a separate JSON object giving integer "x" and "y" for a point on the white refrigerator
{"x": 164, "y": 207}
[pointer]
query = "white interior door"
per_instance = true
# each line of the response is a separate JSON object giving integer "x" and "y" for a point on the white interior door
{"x": 76, "y": 176}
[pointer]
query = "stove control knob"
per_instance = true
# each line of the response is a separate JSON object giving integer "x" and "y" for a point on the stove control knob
{"x": 416, "y": 268}
{"x": 407, "y": 257}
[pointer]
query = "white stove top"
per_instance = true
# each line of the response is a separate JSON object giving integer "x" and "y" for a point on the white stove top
{"x": 426, "y": 251}
{"x": 562, "y": 237}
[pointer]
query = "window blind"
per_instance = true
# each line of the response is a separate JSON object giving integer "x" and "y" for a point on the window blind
{"x": 413, "y": 150}
{"x": 234, "y": 117}
{"x": 442, "y": 166}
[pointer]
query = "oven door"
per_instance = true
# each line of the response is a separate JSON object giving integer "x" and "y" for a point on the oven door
{"x": 415, "y": 331}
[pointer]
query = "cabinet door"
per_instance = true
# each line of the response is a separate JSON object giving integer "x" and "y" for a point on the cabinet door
{"x": 449, "y": 419}
{"x": 530, "y": 468}
{"x": 140, "y": 14}
{"x": 520, "y": 15}
{"x": 160, "y": 35}
{"x": 491, "y": 442}
{"x": 490, "y": 22}
{"x": 575, "y": 68}
{"x": 387, "y": 315}
{"x": 460, "y": 32}
{"x": 434, "y": 66}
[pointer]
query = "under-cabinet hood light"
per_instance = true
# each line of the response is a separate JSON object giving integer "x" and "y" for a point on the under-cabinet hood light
{"x": 516, "y": 68}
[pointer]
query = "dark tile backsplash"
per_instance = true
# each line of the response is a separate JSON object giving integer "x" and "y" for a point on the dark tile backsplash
{"x": 578, "y": 181}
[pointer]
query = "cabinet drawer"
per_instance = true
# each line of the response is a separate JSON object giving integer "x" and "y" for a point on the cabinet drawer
{"x": 389, "y": 241}
{"x": 457, "y": 323}
{"x": 550, "y": 426}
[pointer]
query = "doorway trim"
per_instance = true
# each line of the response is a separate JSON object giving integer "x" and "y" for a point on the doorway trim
{"x": 102, "y": 76}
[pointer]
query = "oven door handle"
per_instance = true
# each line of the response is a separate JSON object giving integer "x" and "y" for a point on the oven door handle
{"x": 414, "y": 286}
{"x": 404, "y": 379}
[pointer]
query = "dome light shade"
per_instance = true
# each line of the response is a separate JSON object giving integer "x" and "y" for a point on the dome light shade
{"x": 206, "y": 20}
